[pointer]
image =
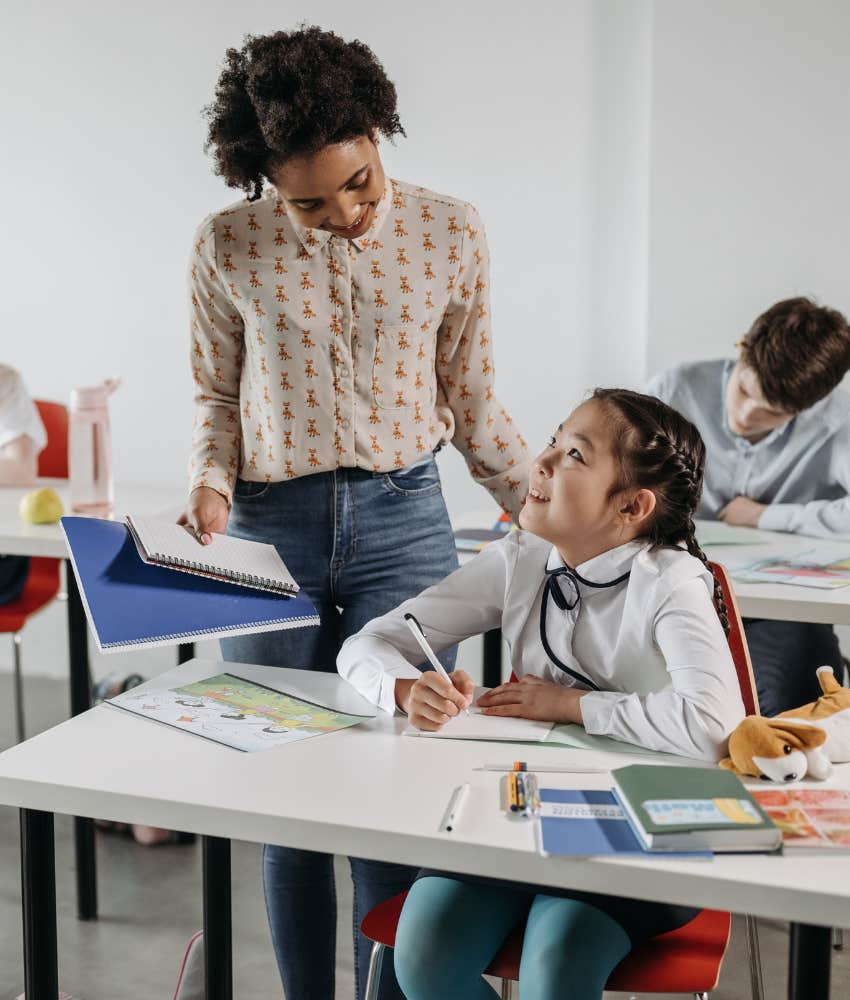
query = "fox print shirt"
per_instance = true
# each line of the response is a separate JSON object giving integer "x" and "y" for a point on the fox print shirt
{"x": 311, "y": 351}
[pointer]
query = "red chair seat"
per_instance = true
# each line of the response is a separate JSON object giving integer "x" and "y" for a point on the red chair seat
{"x": 41, "y": 587}
{"x": 686, "y": 960}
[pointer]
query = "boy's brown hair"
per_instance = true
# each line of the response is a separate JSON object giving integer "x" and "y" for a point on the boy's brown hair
{"x": 799, "y": 351}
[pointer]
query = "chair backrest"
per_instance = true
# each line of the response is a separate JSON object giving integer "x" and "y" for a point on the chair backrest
{"x": 53, "y": 460}
{"x": 738, "y": 642}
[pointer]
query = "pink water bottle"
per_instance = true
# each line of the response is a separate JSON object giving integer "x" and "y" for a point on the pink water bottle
{"x": 90, "y": 449}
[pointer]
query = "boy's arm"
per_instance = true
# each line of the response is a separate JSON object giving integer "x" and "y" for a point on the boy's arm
{"x": 819, "y": 518}
{"x": 467, "y": 602}
{"x": 696, "y": 714}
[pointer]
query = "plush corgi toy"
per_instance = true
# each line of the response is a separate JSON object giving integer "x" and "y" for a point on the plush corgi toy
{"x": 806, "y": 740}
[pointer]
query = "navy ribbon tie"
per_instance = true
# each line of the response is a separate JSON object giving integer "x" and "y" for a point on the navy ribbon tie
{"x": 552, "y": 588}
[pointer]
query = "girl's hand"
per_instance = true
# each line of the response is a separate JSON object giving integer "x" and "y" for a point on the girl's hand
{"x": 430, "y": 701}
{"x": 534, "y": 698}
{"x": 206, "y": 511}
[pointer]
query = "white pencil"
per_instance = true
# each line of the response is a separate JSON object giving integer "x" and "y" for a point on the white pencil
{"x": 455, "y": 804}
{"x": 545, "y": 769}
{"x": 419, "y": 636}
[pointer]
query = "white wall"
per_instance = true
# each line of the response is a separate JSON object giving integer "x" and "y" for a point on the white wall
{"x": 750, "y": 147}
{"x": 651, "y": 175}
{"x": 107, "y": 181}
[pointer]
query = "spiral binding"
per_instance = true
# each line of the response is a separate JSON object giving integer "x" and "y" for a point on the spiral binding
{"x": 242, "y": 579}
{"x": 201, "y": 632}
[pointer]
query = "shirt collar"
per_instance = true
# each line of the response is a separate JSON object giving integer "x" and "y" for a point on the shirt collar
{"x": 605, "y": 567}
{"x": 317, "y": 239}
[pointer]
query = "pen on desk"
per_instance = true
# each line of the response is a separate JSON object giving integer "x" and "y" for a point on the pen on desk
{"x": 521, "y": 794}
{"x": 455, "y": 805}
{"x": 419, "y": 636}
{"x": 532, "y": 795}
{"x": 512, "y": 791}
{"x": 544, "y": 769}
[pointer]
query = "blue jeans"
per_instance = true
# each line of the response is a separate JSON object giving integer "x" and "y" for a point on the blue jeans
{"x": 785, "y": 657}
{"x": 359, "y": 543}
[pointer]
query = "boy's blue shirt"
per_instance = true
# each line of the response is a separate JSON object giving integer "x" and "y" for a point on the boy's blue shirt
{"x": 801, "y": 470}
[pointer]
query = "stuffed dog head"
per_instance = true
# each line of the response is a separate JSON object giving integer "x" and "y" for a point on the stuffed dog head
{"x": 777, "y": 750}
{"x": 801, "y": 741}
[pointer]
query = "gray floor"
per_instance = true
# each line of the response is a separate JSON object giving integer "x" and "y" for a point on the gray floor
{"x": 150, "y": 904}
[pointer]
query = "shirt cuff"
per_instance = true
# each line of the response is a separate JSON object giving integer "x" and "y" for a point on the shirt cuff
{"x": 596, "y": 712}
{"x": 509, "y": 488}
{"x": 779, "y": 516}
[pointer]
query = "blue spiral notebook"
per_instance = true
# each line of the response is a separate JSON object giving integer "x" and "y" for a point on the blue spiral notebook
{"x": 131, "y": 604}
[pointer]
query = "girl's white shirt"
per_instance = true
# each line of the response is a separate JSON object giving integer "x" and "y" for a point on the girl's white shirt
{"x": 653, "y": 643}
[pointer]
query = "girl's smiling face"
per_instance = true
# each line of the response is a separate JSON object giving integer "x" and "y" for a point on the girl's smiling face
{"x": 572, "y": 497}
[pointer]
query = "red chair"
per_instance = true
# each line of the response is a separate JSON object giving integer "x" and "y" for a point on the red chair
{"x": 686, "y": 960}
{"x": 43, "y": 581}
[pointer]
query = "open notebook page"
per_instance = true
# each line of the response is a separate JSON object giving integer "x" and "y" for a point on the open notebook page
{"x": 477, "y": 726}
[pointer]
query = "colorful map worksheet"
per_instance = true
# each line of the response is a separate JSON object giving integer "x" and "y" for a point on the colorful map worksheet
{"x": 236, "y": 712}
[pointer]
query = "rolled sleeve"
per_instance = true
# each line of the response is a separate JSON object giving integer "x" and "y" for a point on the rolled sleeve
{"x": 467, "y": 602}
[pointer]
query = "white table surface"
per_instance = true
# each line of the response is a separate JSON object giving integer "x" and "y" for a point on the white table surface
{"x": 370, "y": 792}
{"x": 19, "y": 538}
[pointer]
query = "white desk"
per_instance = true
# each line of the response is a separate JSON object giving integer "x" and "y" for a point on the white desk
{"x": 777, "y": 600}
{"x": 19, "y": 538}
{"x": 364, "y": 791}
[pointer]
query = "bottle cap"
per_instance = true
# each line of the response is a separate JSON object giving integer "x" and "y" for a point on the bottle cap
{"x": 93, "y": 396}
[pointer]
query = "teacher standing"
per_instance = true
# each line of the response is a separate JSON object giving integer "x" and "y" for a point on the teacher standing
{"x": 340, "y": 336}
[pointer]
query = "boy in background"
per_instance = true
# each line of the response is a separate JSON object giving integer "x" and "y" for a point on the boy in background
{"x": 777, "y": 435}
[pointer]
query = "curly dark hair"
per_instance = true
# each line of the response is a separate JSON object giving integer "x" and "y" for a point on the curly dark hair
{"x": 659, "y": 450}
{"x": 291, "y": 94}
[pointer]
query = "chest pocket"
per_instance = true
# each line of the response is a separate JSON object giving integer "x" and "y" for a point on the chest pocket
{"x": 403, "y": 368}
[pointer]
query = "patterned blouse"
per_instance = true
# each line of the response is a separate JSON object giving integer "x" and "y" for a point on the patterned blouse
{"x": 312, "y": 351}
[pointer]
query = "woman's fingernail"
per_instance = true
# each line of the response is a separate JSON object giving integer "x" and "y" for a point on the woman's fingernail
{"x": 205, "y": 539}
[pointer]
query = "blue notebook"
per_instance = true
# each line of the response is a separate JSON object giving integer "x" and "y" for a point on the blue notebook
{"x": 131, "y": 604}
{"x": 586, "y": 822}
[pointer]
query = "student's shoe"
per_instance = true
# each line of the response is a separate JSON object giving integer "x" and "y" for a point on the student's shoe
{"x": 190, "y": 981}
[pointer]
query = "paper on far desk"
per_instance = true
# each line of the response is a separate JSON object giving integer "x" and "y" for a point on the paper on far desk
{"x": 720, "y": 533}
{"x": 822, "y": 568}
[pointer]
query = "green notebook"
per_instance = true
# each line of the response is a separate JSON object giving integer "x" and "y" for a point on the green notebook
{"x": 693, "y": 809}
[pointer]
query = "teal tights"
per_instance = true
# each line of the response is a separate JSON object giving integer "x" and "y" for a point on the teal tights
{"x": 450, "y": 930}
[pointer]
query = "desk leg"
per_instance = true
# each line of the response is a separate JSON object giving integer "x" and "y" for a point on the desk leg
{"x": 218, "y": 954}
{"x": 81, "y": 702}
{"x": 38, "y": 893}
{"x": 185, "y": 652}
{"x": 492, "y": 659}
{"x": 809, "y": 960}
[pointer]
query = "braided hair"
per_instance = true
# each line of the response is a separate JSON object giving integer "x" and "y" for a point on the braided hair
{"x": 659, "y": 450}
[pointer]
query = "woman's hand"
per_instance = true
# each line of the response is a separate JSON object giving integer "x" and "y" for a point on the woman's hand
{"x": 430, "y": 701}
{"x": 206, "y": 511}
{"x": 534, "y": 698}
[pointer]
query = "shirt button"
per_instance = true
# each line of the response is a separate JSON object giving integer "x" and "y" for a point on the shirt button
{"x": 346, "y": 423}
{"x": 344, "y": 373}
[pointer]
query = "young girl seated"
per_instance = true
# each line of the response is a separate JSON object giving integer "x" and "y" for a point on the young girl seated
{"x": 615, "y": 622}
